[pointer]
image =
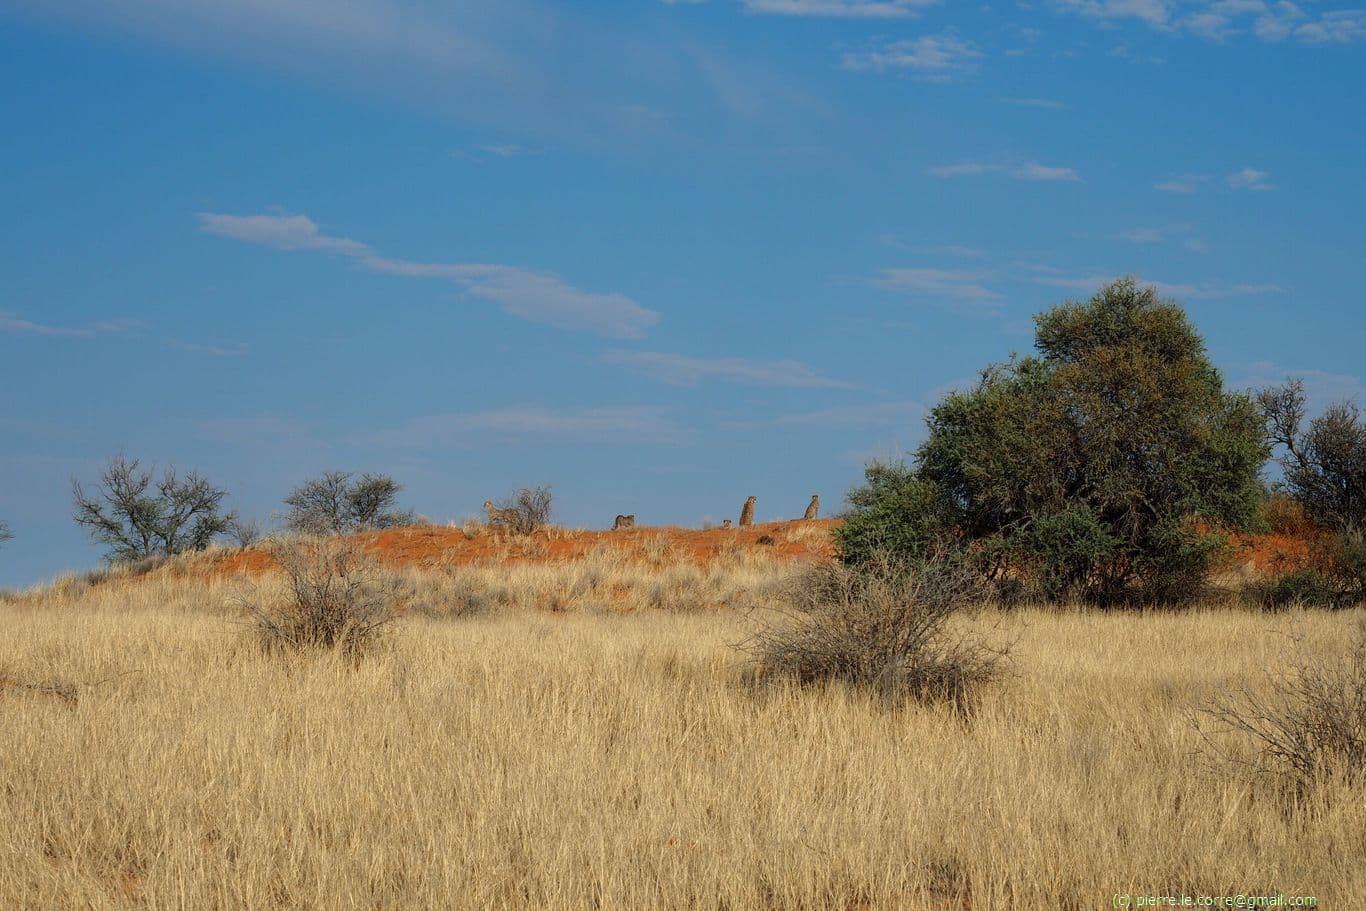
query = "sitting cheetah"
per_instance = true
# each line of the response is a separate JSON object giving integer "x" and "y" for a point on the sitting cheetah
{"x": 747, "y": 514}
{"x": 499, "y": 516}
{"x": 814, "y": 509}
{"x": 624, "y": 522}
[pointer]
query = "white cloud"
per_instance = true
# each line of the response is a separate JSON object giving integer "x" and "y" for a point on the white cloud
{"x": 956, "y": 286}
{"x": 283, "y": 232}
{"x": 1186, "y": 183}
{"x": 1030, "y": 170}
{"x": 929, "y": 56}
{"x": 1249, "y": 179}
{"x": 641, "y": 424}
{"x": 843, "y": 9}
{"x": 12, "y": 322}
{"x": 1035, "y": 171}
{"x": 1207, "y": 290}
{"x": 1338, "y": 27}
{"x": 536, "y": 296}
{"x": 1154, "y": 12}
{"x": 1221, "y": 20}
{"x": 681, "y": 370}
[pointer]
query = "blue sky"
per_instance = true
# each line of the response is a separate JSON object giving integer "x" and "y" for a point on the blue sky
{"x": 659, "y": 255}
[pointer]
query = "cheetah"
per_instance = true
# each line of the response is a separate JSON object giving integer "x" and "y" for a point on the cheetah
{"x": 624, "y": 522}
{"x": 499, "y": 516}
{"x": 814, "y": 509}
{"x": 727, "y": 523}
{"x": 747, "y": 514}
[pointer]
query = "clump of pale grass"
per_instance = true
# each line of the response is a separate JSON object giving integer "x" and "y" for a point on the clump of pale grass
{"x": 335, "y": 596}
{"x": 885, "y": 626}
{"x": 1307, "y": 727}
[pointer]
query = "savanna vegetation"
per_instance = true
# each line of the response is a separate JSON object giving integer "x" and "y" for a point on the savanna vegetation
{"x": 1017, "y": 676}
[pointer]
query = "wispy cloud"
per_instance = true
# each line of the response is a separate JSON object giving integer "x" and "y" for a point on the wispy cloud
{"x": 682, "y": 370}
{"x": 1186, "y": 183}
{"x": 1207, "y": 290}
{"x": 1149, "y": 236}
{"x": 1030, "y": 170}
{"x": 1222, "y": 20}
{"x": 957, "y": 287}
{"x": 12, "y": 322}
{"x": 1249, "y": 179}
{"x": 842, "y": 9}
{"x": 935, "y": 57}
{"x": 536, "y": 296}
{"x": 632, "y": 424}
{"x": 1321, "y": 387}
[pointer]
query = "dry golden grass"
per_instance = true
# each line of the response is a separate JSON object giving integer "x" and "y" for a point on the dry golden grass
{"x": 615, "y": 757}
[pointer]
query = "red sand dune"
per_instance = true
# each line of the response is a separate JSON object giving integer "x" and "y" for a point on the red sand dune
{"x": 439, "y": 545}
{"x": 433, "y": 546}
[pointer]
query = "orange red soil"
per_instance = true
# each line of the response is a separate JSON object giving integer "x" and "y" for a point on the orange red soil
{"x": 434, "y": 546}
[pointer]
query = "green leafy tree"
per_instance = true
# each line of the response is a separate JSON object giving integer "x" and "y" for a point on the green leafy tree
{"x": 1103, "y": 465}
{"x": 333, "y": 504}
{"x": 138, "y": 515}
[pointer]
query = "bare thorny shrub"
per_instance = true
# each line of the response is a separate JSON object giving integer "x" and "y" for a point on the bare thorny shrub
{"x": 888, "y": 626}
{"x": 335, "y": 597}
{"x": 1310, "y": 726}
{"x": 525, "y": 511}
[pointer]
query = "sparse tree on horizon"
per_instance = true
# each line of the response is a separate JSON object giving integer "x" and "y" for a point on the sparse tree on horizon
{"x": 333, "y": 504}
{"x": 1325, "y": 463}
{"x": 138, "y": 516}
{"x": 5, "y": 533}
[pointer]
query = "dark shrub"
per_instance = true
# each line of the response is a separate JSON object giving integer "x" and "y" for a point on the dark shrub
{"x": 1103, "y": 465}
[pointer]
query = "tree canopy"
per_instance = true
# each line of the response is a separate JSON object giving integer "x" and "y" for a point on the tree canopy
{"x": 138, "y": 516}
{"x": 1104, "y": 464}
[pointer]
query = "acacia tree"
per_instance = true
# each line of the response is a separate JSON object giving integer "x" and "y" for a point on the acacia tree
{"x": 1104, "y": 465}
{"x": 5, "y": 533}
{"x": 332, "y": 504}
{"x": 138, "y": 516}
{"x": 1325, "y": 464}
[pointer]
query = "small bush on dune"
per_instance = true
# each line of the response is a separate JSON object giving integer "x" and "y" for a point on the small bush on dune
{"x": 525, "y": 511}
{"x": 336, "y": 503}
{"x": 883, "y": 626}
{"x": 1312, "y": 726}
{"x": 336, "y": 597}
